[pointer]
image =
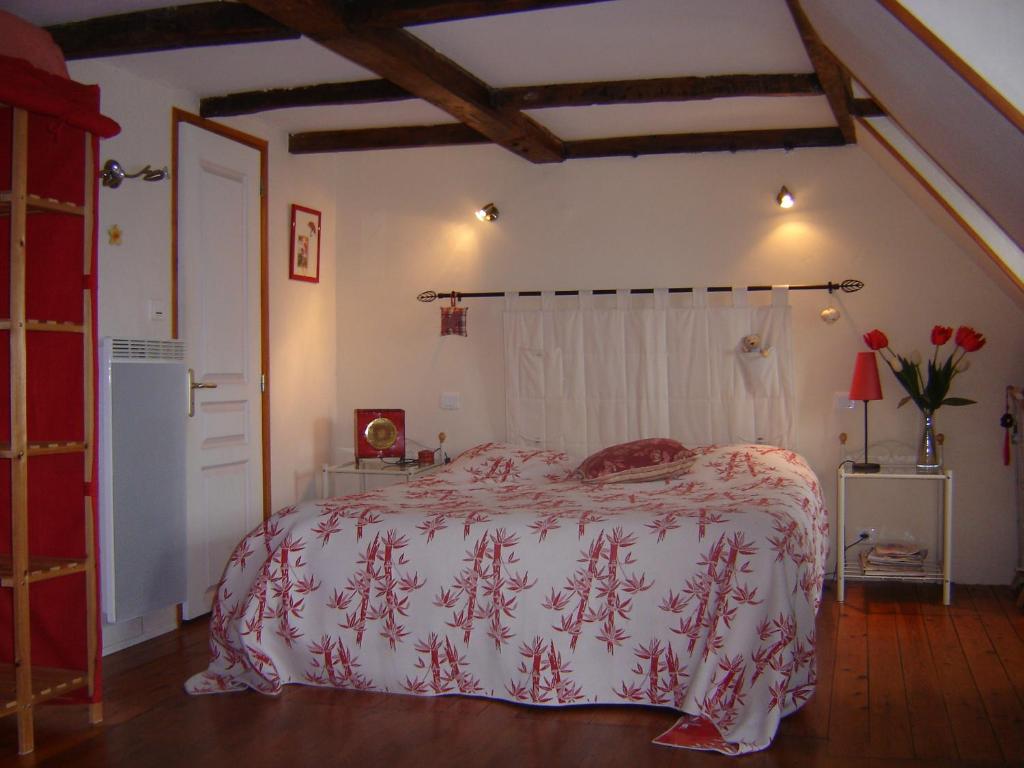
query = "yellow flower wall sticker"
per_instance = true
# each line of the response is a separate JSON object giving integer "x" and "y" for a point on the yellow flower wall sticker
{"x": 114, "y": 234}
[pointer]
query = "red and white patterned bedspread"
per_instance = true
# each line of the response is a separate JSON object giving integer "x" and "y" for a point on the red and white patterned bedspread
{"x": 499, "y": 576}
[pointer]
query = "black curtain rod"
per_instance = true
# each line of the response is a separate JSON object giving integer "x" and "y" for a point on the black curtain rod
{"x": 846, "y": 286}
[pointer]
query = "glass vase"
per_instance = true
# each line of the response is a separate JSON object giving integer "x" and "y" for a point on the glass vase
{"x": 927, "y": 449}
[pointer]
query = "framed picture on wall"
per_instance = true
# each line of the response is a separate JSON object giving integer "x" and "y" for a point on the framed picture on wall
{"x": 304, "y": 261}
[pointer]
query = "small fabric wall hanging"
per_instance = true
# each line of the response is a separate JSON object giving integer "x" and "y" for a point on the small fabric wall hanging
{"x": 453, "y": 319}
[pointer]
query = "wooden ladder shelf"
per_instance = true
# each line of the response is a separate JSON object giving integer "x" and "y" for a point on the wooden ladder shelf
{"x": 24, "y": 685}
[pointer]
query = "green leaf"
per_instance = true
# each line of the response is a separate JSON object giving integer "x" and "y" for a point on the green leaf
{"x": 927, "y": 388}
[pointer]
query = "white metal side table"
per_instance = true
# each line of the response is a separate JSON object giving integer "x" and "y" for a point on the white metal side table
{"x": 936, "y": 572}
{"x": 370, "y": 467}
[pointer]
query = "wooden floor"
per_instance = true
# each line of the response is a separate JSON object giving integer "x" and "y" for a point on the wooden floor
{"x": 903, "y": 682}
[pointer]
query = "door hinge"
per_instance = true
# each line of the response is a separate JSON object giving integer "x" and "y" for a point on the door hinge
{"x": 263, "y": 382}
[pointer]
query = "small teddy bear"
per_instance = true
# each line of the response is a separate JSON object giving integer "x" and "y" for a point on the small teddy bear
{"x": 752, "y": 343}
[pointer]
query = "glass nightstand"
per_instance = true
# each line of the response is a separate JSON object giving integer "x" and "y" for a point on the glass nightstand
{"x": 938, "y": 571}
{"x": 372, "y": 467}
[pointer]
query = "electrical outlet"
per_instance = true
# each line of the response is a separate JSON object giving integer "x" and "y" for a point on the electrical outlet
{"x": 869, "y": 535}
{"x": 842, "y": 402}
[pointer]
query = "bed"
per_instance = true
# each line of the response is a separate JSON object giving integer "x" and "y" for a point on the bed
{"x": 501, "y": 575}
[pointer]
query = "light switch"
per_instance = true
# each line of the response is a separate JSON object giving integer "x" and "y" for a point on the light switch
{"x": 156, "y": 309}
{"x": 451, "y": 401}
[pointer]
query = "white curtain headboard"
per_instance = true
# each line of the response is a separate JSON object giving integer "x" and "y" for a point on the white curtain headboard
{"x": 581, "y": 377}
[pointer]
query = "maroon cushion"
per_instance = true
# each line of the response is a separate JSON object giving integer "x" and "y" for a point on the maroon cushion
{"x": 650, "y": 459}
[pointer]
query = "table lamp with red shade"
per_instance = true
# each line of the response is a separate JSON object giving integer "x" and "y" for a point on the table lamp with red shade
{"x": 865, "y": 386}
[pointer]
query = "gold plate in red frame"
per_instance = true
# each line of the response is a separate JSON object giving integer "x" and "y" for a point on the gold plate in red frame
{"x": 379, "y": 433}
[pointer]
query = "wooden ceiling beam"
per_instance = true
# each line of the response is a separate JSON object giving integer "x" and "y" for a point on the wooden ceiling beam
{"x": 866, "y": 108}
{"x": 657, "y": 89}
{"x": 408, "y": 62}
{"x": 324, "y": 94}
{"x": 162, "y": 29}
{"x": 524, "y": 97}
{"x": 830, "y": 74}
{"x": 407, "y": 13}
{"x": 447, "y": 134}
{"x": 729, "y": 141}
{"x": 453, "y": 134}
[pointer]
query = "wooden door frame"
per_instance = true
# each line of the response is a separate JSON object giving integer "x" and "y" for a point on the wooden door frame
{"x": 179, "y": 116}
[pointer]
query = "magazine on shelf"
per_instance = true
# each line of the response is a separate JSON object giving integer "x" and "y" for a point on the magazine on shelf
{"x": 899, "y": 549}
{"x": 872, "y": 568}
{"x": 893, "y": 559}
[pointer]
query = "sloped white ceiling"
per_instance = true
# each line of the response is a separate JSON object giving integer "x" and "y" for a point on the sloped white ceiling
{"x": 975, "y": 144}
{"x": 946, "y": 204}
{"x": 988, "y": 36}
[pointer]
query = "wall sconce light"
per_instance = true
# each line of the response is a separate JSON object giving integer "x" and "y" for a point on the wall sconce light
{"x": 785, "y": 198}
{"x": 113, "y": 174}
{"x": 488, "y": 213}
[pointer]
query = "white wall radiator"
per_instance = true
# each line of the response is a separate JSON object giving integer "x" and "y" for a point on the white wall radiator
{"x": 143, "y": 411}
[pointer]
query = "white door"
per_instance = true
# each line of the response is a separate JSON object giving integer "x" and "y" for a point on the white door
{"x": 219, "y": 320}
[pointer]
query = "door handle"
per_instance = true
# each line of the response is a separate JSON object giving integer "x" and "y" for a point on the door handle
{"x": 193, "y": 385}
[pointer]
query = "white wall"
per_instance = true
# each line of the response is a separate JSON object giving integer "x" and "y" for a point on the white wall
{"x": 137, "y": 270}
{"x": 405, "y": 225}
{"x": 302, "y": 324}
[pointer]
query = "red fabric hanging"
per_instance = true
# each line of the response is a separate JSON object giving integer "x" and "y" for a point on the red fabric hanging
{"x": 453, "y": 319}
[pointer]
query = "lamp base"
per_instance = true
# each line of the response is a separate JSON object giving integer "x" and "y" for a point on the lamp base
{"x": 866, "y": 468}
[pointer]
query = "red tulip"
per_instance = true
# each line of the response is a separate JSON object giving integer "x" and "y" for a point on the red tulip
{"x": 941, "y": 334}
{"x": 876, "y": 340}
{"x": 969, "y": 339}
